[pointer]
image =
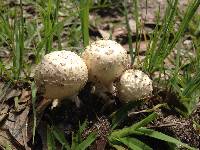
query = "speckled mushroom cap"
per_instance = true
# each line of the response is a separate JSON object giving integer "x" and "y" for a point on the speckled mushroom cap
{"x": 134, "y": 85}
{"x": 61, "y": 74}
{"x": 106, "y": 60}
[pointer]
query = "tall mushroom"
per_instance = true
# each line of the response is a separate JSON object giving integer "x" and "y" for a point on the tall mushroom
{"x": 61, "y": 74}
{"x": 106, "y": 60}
{"x": 134, "y": 85}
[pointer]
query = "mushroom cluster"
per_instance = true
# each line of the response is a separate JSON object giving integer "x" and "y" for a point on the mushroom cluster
{"x": 108, "y": 61}
{"x": 104, "y": 62}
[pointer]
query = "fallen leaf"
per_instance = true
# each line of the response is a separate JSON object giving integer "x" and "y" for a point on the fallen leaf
{"x": 25, "y": 96}
{"x": 132, "y": 25}
{"x": 23, "y": 101}
{"x": 11, "y": 93}
{"x": 6, "y": 139}
{"x": 3, "y": 111}
{"x": 21, "y": 107}
{"x": 119, "y": 31}
{"x": 104, "y": 34}
{"x": 16, "y": 123}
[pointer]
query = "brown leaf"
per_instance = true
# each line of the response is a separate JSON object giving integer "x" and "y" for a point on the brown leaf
{"x": 132, "y": 25}
{"x": 23, "y": 101}
{"x": 3, "y": 111}
{"x": 11, "y": 93}
{"x": 25, "y": 96}
{"x": 16, "y": 124}
{"x": 20, "y": 107}
{"x": 142, "y": 47}
{"x": 119, "y": 31}
{"x": 104, "y": 34}
{"x": 6, "y": 139}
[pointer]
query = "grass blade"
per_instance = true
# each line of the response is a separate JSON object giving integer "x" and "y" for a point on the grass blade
{"x": 74, "y": 141}
{"x": 138, "y": 26}
{"x": 117, "y": 147}
{"x": 161, "y": 136}
{"x": 21, "y": 36}
{"x": 8, "y": 146}
{"x": 50, "y": 140}
{"x": 132, "y": 54}
{"x": 81, "y": 129}
{"x": 87, "y": 142}
{"x": 134, "y": 143}
{"x": 160, "y": 46}
{"x": 60, "y": 137}
{"x": 130, "y": 130}
{"x": 122, "y": 113}
{"x": 84, "y": 15}
{"x": 33, "y": 93}
{"x": 192, "y": 8}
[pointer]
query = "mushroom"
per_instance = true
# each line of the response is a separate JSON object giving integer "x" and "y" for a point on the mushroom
{"x": 61, "y": 74}
{"x": 106, "y": 61}
{"x": 134, "y": 85}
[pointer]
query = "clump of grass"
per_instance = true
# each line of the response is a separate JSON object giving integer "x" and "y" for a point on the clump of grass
{"x": 13, "y": 35}
{"x": 121, "y": 138}
{"x": 52, "y": 27}
{"x": 19, "y": 45}
{"x": 160, "y": 44}
{"x": 77, "y": 143}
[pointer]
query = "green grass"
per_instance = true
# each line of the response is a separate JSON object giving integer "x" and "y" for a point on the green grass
{"x": 77, "y": 143}
{"x": 84, "y": 16}
{"x": 52, "y": 27}
{"x": 131, "y": 50}
{"x": 125, "y": 137}
{"x": 160, "y": 45}
{"x": 33, "y": 94}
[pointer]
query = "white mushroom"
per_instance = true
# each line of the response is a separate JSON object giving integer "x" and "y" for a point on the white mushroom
{"x": 134, "y": 85}
{"x": 106, "y": 60}
{"x": 61, "y": 74}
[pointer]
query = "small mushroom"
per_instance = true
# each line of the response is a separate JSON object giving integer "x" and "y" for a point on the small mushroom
{"x": 106, "y": 61}
{"x": 61, "y": 74}
{"x": 134, "y": 85}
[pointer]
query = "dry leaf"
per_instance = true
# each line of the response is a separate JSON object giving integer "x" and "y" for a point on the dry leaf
{"x": 11, "y": 93}
{"x": 16, "y": 124}
{"x": 3, "y": 111}
{"x": 6, "y": 139}
{"x": 104, "y": 34}
{"x": 25, "y": 96}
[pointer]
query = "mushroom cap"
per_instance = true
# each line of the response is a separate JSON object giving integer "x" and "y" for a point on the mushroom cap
{"x": 106, "y": 60}
{"x": 134, "y": 85}
{"x": 61, "y": 74}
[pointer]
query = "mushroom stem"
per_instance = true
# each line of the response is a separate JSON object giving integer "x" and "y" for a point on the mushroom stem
{"x": 102, "y": 92}
{"x": 112, "y": 89}
{"x": 55, "y": 103}
{"x": 77, "y": 100}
